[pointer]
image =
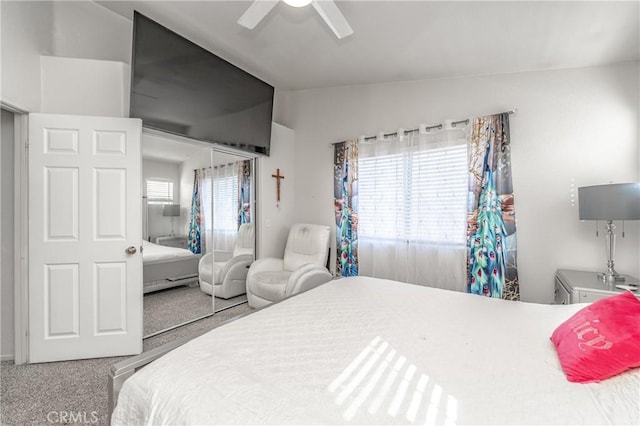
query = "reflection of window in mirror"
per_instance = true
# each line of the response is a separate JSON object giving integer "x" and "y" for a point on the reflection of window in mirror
{"x": 223, "y": 187}
{"x": 159, "y": 191}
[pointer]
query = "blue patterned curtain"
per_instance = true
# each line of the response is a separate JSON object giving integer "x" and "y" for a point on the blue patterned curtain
{"x": 244, "y": 192}
{"x": 491, "y": 225}
{"x": 195, "y": 224}
{"x": 346, "y": 207}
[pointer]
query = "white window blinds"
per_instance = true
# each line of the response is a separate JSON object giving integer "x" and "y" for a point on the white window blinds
{"x": 159, "y": 191}
{"x": 415, "y": 196}
{"x": 225, "y": 196}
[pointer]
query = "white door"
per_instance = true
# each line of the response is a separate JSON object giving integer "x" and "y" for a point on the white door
{"x": 85, "y": 232}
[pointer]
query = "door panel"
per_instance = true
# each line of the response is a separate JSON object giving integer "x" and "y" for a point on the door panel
{"x": 61, "y": 203}
{"x": 110, "y": 297}
{"x": 61, "y": 301}
{"x": 110, "y": 204}
{"x": 61, "y": 141}
{"x": 85, "y": 290}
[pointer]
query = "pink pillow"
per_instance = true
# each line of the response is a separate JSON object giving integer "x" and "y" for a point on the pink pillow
{"x": 600, "y": 340}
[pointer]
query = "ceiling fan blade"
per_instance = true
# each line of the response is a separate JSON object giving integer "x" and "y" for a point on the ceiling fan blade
{"x": 254, "y": 14}
{"x": 333, "y": 17}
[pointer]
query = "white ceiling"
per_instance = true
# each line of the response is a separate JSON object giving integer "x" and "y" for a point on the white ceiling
{"x": 404, "y": 40}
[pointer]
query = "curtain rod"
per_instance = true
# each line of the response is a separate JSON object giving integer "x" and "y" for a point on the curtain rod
{"x": 425, "y": 128}
{"x": 216, "y": 166}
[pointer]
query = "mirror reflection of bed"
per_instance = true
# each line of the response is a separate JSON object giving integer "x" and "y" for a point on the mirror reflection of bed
{"x": 173, "y": 169}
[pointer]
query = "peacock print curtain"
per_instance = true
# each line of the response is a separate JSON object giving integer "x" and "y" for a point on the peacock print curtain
{"x": 346, "y": 207}
{"x": 244, "y": 192}
{"x": 195, "y": 224}
{"x": 491, "y": 225}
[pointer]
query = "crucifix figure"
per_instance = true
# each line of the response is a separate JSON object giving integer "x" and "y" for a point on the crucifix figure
{"x": 278, "y": 176}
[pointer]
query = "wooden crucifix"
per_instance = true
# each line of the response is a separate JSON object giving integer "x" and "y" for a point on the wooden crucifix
{"x": 278, "y": 176}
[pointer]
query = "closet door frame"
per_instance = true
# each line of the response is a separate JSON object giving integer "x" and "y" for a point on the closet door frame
{"x": 20, "y": 233}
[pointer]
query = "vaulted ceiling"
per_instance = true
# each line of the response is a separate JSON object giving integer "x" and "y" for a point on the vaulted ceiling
{"x": 292, "y": 48}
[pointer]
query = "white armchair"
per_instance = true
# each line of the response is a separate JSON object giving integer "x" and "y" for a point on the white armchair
{"x": 226, "y": 276}
{"x": 303, "y": 267}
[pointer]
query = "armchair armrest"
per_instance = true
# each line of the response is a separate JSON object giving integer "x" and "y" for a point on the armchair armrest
{"x": 204, "y": 259}
{"x": 307, "y": 277}
{"x": 266, "y": 264}
{"x": 236, "y": 262}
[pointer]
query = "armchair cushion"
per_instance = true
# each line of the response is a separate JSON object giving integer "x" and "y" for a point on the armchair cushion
{"x": 270, "y": 285}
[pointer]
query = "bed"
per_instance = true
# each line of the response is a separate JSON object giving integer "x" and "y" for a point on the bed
{"x": 371, "y": 351}
{"x": 165, "y": 267}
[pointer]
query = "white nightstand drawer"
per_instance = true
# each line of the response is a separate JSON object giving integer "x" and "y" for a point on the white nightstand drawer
{"x": 588, "y": 296}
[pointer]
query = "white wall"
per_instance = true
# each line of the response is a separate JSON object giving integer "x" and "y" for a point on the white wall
{"x": 6, "y": 237}
{"x": 27, "y": 29}
{"x": 84, "y": 29}
{"x": 275, "y": 220}
{"x": 70, "y": 29}
{"x": 158, "y": 225}
{"x": 85, "y": 87}
{"x": 573, "y": 127}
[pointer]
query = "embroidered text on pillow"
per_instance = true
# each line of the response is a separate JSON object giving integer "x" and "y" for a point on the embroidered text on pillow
{"x": 597, "y": 342}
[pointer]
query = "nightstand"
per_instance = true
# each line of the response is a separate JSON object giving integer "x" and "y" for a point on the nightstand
{"x": 175, "y": 241}
{"x": 584, "y": 287}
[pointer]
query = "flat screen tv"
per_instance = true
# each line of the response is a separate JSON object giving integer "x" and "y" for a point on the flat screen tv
{"x": 181, "y": 88}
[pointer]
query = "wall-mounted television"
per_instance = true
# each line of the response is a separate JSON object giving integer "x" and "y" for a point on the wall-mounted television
{"x": 181, "y": 88}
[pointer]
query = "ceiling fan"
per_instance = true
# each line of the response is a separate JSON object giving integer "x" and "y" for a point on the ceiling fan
{"x": 326, "y": 8}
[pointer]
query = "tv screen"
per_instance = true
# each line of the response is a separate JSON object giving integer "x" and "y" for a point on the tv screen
{"x": 181, "y": 88}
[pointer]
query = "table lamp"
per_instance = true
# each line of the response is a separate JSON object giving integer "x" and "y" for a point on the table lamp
{"x": 615, "y": 201}
{"x": 171, "y": 210}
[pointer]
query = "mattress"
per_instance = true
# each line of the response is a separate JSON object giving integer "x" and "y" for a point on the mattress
{"x": 154, "y": 253}
{"x": 370, "y": 351}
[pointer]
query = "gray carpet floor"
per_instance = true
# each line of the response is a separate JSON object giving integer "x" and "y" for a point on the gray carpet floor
{"x": 40, "y": 394}
{"x": 174, "y": 306}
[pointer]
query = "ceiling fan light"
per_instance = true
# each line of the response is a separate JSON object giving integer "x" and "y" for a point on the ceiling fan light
{"x": 297, "y": 3}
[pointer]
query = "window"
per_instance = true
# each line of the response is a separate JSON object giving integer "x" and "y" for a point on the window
{"x": 159, "y": 191}
{"x": 415, "y": 196}
{"x": 225, "y": 196}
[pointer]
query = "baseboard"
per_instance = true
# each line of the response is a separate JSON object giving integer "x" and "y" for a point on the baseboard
{"x": 7, "y": 357}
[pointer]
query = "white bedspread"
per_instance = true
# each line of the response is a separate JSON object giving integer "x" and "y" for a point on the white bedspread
{"x": 369, "y": 351}
{"x": 153, "y": 253}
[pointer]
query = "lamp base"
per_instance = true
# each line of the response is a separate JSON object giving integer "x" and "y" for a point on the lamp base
{"x": 608, "y": 277}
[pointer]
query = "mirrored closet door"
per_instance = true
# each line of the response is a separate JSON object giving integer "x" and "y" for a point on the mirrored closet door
{"x": 197, "y": 217}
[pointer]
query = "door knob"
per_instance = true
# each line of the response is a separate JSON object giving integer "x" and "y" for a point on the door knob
{"x": 131, "y": 250}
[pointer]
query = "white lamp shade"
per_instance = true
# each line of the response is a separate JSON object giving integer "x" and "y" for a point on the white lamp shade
{"x": 171, "y": 210}
{"x": 616, "y": 201}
